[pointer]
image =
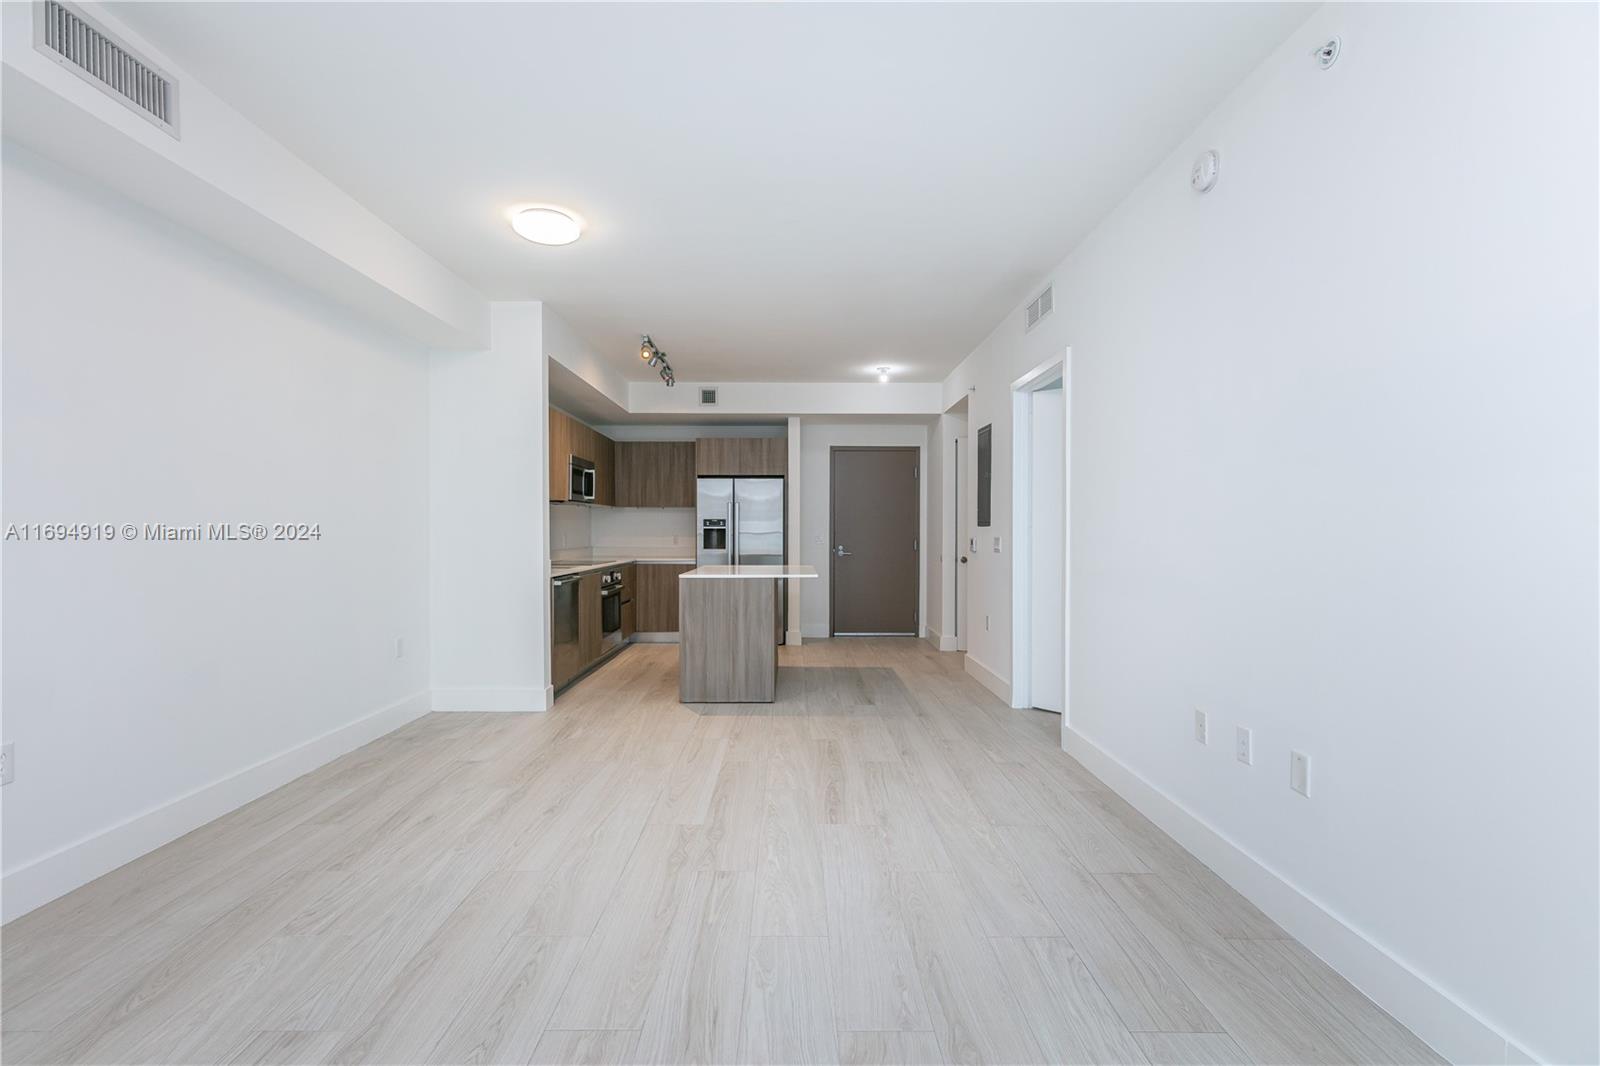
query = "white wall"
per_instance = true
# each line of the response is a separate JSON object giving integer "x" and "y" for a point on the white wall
{"x": 817, "y": 438}
{"x": 152, "y": 377}
{"x": 488, "y": 438}
{"x": 944, "y": 542}
{"x": 1333, "y": 473}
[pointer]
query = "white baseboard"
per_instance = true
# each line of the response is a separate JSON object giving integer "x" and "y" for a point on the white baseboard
{"x": 794, "y": 636}
{"x": 502, "y": 700}
{"x": 942, "y": 642}
{"x": 58, "y": 873}
{"x": 1448, "y": 1026}
{"x": 989, "y": 679}
{"x": 655, "y": 638}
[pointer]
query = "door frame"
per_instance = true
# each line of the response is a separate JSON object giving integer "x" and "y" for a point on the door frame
{"x": 1058, "y": 367}
{"x": 833, "y": 571}
{"x": 959, "y": 542}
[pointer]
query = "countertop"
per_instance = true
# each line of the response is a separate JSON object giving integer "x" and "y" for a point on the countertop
{"x": 725, "y": 572}
{"x": 561, "y": 569}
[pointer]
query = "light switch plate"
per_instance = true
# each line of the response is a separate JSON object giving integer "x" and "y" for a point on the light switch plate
{"x": 997, "y": 545}
{"x": 1300, "y": 773}
{"x": 1241, "y": 745}
{"x": 1199, "y": 726}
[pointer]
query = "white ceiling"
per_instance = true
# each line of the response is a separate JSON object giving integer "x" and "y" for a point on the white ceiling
{"x": 774, "y": 192}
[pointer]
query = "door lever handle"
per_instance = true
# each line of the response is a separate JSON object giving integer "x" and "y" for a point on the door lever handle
{"x": 839, "y": 551}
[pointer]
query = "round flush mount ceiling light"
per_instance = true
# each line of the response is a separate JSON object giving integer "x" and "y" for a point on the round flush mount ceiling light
{"x": 546, "y": 224}
{"x": 883, "y": 374}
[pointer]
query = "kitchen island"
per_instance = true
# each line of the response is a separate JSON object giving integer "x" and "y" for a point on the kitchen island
{"x": 729, "y": 623}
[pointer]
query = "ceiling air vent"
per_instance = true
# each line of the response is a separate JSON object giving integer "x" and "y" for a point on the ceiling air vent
{"x": 1042, "y": 305}
{"x": 80, "y": 44}
{"x": 708, "y": 397}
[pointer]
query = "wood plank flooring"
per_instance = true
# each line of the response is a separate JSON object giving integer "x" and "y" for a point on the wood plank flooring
{"x": 884, "y": 866}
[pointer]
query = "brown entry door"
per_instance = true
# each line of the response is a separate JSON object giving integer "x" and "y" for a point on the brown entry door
{"x": 873, "y": 558}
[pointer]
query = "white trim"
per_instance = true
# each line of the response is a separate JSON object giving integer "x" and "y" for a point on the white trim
{"x": 988, "y": 678}
{"x": 795, "y": 637}
{"x": 655, "y": 638}
{"x": 494, "y": 700}
{"x": 1448, "y": 1026}
{"x": 940, "y": 641}
{"x": 80, "y": 862}
{"x": 1059, "y": 365}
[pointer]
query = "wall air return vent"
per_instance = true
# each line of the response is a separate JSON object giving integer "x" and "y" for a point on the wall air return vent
{"x": 1042, "y": 305}
{"x": 708, "y": 397}
{"x": 84, "y": 47}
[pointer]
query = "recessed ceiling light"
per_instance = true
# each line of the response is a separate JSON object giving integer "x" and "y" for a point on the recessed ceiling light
{"x": 543, "y": 224}
{"x": 883, "y": 374}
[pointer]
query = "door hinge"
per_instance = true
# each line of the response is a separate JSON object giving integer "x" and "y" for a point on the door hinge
{"x": 916, "y": 544}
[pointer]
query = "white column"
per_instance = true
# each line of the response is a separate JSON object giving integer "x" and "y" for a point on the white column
{"x": 488, "y": 440}
{"x": 794, "y": 538}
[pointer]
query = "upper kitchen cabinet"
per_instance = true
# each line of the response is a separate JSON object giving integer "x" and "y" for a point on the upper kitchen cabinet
{"x": 655, "y": 473}
{"x": 741, "y": 457}
{"x": 560, "y": 453}
{"x": 568, "y": 438}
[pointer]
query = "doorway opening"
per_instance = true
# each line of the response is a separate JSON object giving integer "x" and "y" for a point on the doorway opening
{"x": 1041, "y": 404}
{"x": 875, "y": 518}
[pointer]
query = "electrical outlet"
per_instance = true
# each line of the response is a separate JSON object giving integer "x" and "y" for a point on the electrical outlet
{"x": 1300, "y": 772}
{"x": 399, "y": 647}
{"x": 1199, "y": 726}
{"x": 8, "y": 764}
{"x": 1241, "y": 745}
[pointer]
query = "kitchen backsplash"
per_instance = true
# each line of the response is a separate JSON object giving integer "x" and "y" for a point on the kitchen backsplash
{"x": 577, "y": 531}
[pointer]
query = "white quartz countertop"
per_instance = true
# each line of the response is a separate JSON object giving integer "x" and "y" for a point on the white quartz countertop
{"x": 750, "y": 572}
{"x": 566, "y": 568}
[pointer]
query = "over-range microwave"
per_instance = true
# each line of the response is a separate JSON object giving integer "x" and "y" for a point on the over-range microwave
{"x": 580, "y": 483}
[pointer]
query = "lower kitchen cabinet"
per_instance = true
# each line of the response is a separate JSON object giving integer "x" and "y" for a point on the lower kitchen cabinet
{"x": 589, "y": 618}
{"x": 655, "y": 595}
{"x": 630, "y": 605}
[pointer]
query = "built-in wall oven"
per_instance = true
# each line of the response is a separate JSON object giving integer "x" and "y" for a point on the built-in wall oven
{"x": 580, "y": 486}
{"x": 613, "y": 596}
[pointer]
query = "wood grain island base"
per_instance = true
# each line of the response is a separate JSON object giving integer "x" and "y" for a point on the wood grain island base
{"x": 728, "y": 629}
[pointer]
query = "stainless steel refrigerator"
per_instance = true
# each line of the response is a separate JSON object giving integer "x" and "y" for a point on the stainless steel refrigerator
{"x": 740, "y": 523}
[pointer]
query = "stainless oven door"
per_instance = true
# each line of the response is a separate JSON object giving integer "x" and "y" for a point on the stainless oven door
{"x": 611, "y": 617}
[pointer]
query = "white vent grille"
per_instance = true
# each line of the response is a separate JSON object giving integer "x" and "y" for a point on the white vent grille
{"x": 78, "y": 43}
{"x": 1042, "y": 305}
{"x": 708, "y": 397}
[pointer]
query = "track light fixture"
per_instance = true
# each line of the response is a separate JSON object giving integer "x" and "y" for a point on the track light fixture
{"x": 656, "y": 358}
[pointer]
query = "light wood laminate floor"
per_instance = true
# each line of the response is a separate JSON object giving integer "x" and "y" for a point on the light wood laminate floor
{"x": 884, "y": 866}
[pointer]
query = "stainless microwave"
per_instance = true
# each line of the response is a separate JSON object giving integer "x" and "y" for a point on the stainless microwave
{"x": 580, "y": 483}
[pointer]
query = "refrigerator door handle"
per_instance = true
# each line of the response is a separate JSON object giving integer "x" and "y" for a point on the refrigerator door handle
{"x": 733, "y": 526}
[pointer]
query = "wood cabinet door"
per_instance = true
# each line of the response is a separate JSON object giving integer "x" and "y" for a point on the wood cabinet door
{"x": 588, "y": 618}
{"x": 627, "y": 478}
{"x": 773, "y": 456}
{"x": 630, "y": 604}
{"x": 560, "y": 452}
{"x": 656, "y": 596}
{"x": 677, "y": 484}
{"x": 716, "y": 457}
{"x": 605, "y": 470}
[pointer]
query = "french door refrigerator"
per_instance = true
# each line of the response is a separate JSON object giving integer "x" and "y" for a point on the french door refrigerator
{"x": 740, "y": 523}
